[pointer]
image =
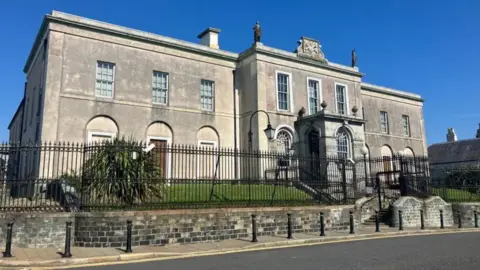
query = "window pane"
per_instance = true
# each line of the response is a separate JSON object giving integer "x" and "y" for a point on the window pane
{"x": 104, "y": 79}
{"x": 313, "y": 96}
{"x": 207, "y": 89}
{"x": 283, "y": 91}
{"x": 341, "y": 101}
{"x": 343, "y": 148}
{"x": 384, "y": 122}
{"x": 160, "y": 87}
{"x": 406, "y": 125}
{"x": 286, "y": 138}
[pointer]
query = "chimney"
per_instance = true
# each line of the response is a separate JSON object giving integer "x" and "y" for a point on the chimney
{"x": 478, "y": 132}
{"x": 451, "y": 136}
{"x": 209, "y": 37}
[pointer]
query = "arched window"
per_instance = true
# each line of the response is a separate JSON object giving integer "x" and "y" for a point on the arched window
{"x": 343, "y": 144}
{"x": 286, "y": 138}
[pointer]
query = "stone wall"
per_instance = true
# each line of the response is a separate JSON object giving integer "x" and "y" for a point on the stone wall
{"x": 411, "y": 206}
{"x": 206, "y": 225}
{"x": 466, "y": 212}
{"x": 108, "y": 229}
{"x": 36, "y": 230}
{"x": 366, "y": 207}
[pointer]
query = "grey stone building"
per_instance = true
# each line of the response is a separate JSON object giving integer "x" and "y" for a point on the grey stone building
{"x": 88, "y": 80}
{"x": 455, "y": 153}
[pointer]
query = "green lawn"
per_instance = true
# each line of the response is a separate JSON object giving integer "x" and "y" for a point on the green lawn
{"x": 232, "y": 193}
{"x": 456, "y": 195}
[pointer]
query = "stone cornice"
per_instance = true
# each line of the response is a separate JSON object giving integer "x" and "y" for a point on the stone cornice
{"x": 131, "y": 34}
{"x": 390, "y": 92}
{"x": 333, "y": 116}
{"x": 272, "y": 52}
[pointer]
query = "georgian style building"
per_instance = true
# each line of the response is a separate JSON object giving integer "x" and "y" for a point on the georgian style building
{"x": 88, "y": 80}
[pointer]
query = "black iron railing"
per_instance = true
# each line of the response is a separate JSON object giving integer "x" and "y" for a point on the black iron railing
{"x": 128, "y": 175}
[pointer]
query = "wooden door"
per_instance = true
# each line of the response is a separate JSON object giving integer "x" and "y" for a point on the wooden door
{"x": 160, "y": 154}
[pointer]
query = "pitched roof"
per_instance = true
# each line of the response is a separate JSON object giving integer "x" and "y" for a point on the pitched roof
{"x": 450, "y": 152}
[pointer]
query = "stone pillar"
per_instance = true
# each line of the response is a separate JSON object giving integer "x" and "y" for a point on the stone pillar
{"x": 431, "y": 207}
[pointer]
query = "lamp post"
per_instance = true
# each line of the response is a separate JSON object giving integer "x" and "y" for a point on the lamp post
{"x": 364, "y": 151}
{"x": 269, "y": 131}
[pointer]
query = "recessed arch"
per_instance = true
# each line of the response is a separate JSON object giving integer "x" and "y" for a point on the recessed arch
{"x": 160, "y": 129}
{"x": 101, "y": 127}
{"x": 208, "y": 134}
{"x": 386, "y": 151}
{"x": 286, "y": 135}
{"x": 408, "y": 152}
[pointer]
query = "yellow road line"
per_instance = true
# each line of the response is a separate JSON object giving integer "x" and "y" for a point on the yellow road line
{"x": 247, "y": 250}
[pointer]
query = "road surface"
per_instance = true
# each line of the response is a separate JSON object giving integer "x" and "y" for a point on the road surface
{"x": 446, "y": 251}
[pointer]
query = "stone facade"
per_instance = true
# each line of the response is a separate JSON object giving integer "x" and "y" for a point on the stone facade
{"x": 466, "y": 212}
{"x": 108, "y": 229}
{"x": 411, "y": 206}
{"x": 61, "y": 82}
{"x": 36, "y": 230}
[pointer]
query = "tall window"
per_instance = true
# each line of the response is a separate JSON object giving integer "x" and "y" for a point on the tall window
{"x": 343, "y": 147}
{"x": 207, "y": 90}
{"x": 105, "y": 77}
{"x": 160, "y": 87}
{"x": 286, "y": 138}
{"x": 313, "y": 87}
{"x": 384, "y": 122}
{"x": 406, "y": 125}
{"x": 341, "y": 99}
{"x": 283, "y": 91}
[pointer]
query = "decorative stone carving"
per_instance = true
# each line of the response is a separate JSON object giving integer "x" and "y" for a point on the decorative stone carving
{"x": 324, "y": 104}
{"x": 310, "y": 48}
{"x": 301, "y": 113}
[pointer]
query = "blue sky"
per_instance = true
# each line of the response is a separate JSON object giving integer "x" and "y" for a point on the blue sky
{"x": 431, "y": 48}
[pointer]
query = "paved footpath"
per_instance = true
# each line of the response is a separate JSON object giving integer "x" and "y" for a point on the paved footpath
{"x": 25, "y": 258}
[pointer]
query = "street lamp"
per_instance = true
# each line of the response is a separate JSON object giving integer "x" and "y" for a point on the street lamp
{"x": 364, "y": 151}
{"x": 269, "y": 131}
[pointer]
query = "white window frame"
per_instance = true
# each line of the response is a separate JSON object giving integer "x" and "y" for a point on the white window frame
{"x": 99, "y": 133}
{"x": 169, "y": 154}
{"x": 290, "y": 95}
{"x": 387, "y": 125}
{"x": 409, "y": 133}
{"x": 168, "y": 87}
{"x": 349, "y": 143}
{"x": 346, "y": 98}
{"x": 215, "y": 158}
{"x": 213, "y": 95}
{"x": 319, "y": 93}
{"x": 113, "y": 78}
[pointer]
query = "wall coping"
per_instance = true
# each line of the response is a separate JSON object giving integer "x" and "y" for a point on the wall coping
{"x": 209, "y": 211}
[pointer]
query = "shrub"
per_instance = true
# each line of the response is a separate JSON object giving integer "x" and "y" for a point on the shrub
{"x": 118, "y": 171}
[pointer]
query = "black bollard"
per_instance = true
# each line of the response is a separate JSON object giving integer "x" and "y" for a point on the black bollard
{"x": 422, "y": 221}
{"x": 322, "y": 225}
{"x": 129, "y": 237}
{"x": 441, "y": 219}
{"x": 8, "y": 244}
{"x": 68, "y": 235}
{"x": 475, "y": 217}
{"x": 254, "y": 229}
{"x": 289, "y": 216}
{"x": 400, "y": 220}
{"x": 352, "y": 230}
{"x": 377, "y": 224}
{"x": 459, "y": 220}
